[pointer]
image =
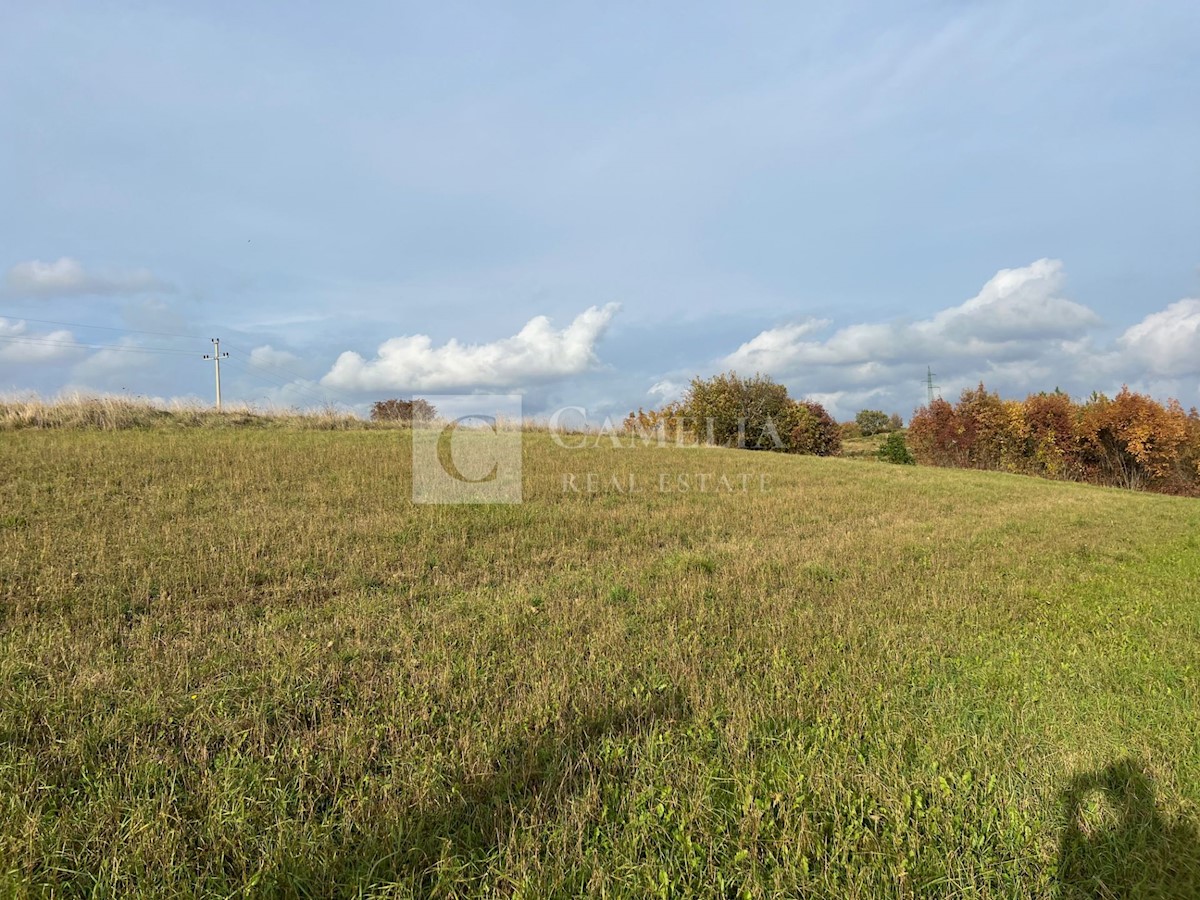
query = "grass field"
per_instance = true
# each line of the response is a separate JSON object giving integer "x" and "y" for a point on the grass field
{"x": 239, "y": 662}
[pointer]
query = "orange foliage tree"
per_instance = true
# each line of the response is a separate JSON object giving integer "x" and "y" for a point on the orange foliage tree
{"x": 1130, "y": 440}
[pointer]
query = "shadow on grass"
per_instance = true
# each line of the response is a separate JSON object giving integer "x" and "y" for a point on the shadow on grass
{"x": 447, "y": 849}
{"x": 1116, "y": 843}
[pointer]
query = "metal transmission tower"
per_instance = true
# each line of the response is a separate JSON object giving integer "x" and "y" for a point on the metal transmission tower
{"x": 216, "y": 356}
{"x": 930, "y": 386}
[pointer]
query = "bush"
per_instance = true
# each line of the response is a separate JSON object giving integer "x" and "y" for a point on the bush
{"x": 816, "y": 433}
{"x": 936, "y": 435}
{"x": 872, "y": 421}
{"x": 403, "y": 411}
{"x": 731, "y": 411}
{"x": 1047, "y": 434}
{"x": 752, "y": 413}
{"x": 895, "y": 450}
{"x": 656, "y": 424}
{"x": 1130, "y": 441}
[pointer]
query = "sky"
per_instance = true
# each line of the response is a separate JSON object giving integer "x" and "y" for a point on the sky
{"x": 590, "y": 204}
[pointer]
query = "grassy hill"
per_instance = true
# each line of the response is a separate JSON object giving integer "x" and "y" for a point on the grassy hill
{"x": 242, "y": 662}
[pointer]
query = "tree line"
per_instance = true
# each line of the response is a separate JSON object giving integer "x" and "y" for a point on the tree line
{"x": 1130, "y": 440}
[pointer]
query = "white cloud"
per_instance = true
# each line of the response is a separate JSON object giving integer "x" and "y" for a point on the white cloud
{"x": 67, "y": 277}
{"x": 1016, "y": 309}
{"x": 1017, "y": 304}
{"x": 17, "y": 345}
{"x": 267, "y": 357}
{"x": 119, "y": 360}
{"x": 775, "y": 345}
{"x": 1167, "y": 342}
{"x": 1018, "y": 334}
{"x": 667, "y": 390}
{"x": 538, "y": 353}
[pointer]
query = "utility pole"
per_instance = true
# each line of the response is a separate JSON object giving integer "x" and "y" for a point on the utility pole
{"x": 929, "y": 376}
{"x": 216, "y": 356}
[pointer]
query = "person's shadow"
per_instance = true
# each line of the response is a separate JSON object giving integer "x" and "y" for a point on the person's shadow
{"x": 1134, "y": 851}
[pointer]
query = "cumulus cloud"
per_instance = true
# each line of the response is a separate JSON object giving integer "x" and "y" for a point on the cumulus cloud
{"x": 267, "y": 357}
{"x": 112, "y": 365}
{"x": 1016, "y": 310}
{"x": 1167, "y": 342}
{"x": 1017, "y": 304}
{"x": 775, "y": 345}
{"x": 1019, "y": 333}
{"x": 668, "y": 390}
{"x": 18, "y": 345}
{"x": 538, "y": 353}
{"x": 66, "y": 277}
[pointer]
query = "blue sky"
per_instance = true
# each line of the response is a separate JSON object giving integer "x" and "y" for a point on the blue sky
{"x": 589, "y": 204}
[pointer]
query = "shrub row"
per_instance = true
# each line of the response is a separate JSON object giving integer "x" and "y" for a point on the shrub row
{"x": 1130, "y": 440}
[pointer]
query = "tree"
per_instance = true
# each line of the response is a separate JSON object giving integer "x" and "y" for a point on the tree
{"x": 1046, "y": 430}
{"x": 872, "y": 421}
{"x": 895, "y": 423}
{"x": 984, "y": 433}
{"x": 753, "y": 413}
{"x": 936, "y": 436}
{"x": 1189, "y": 462}
{"x": 656, "y": 424}
{"x": 1132, "y": 440}
{"x": 410, "y": 411}
{"x": 731, "y": 411}
{"x": 817, "y": 433}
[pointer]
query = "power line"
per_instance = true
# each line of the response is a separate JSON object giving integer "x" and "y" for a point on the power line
{"x": 76, "y": 345}
{"x": 301, "y": 385}
{"x": 98, "y": 327}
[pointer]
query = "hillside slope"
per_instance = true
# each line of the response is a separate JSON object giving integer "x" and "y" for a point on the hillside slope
{"x": 233, "y": 658}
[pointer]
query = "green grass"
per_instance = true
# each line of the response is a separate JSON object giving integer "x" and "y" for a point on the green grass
{"x": 240, "y": 662}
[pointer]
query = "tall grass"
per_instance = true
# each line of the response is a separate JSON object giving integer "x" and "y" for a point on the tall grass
{"x": 116, "y": 413}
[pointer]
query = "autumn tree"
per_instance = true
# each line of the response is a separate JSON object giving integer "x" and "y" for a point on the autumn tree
{"x": 658, "y": 425}
{"x": 985, "y": 437}
{"x": 731, "y": 411}
{"x": 936, "y": 436}
{"x": 752, "y": 413}
{"x": 1047, "y": 431}
{"x": 816, "y": 433}
{"x": 1132, "y": 440}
